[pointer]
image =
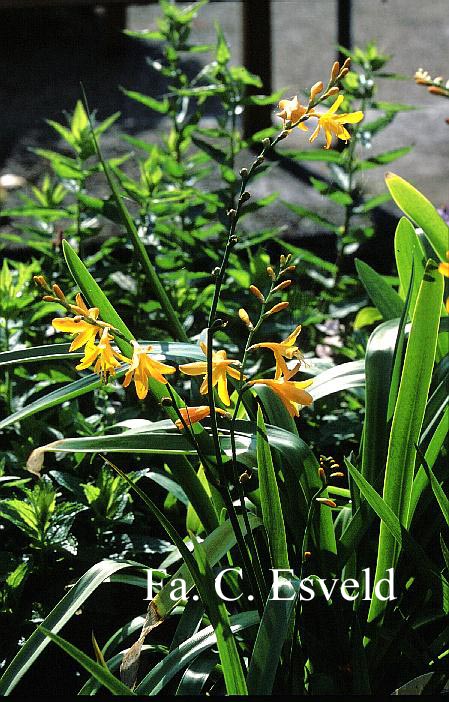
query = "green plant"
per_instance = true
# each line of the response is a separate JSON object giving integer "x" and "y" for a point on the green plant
{"x": 251, "y": 486}
{"x": 41, "y": 518}
{"x": 347, "y": 166}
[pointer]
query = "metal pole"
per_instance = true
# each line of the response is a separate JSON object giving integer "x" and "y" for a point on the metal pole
{"x": 256, "y": 15}
{"x": 344, "y": 26}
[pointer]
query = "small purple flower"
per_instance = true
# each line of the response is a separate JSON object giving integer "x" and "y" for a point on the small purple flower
{"x": 444, "y": 213}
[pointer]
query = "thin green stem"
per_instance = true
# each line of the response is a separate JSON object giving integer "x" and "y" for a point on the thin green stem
{"x": 151, "y": 275}
{"x": 8, "y": 380}
{"x": 81, "y": 187}
{"x": 224, "y": 491}
{"x": 350, "y": 167}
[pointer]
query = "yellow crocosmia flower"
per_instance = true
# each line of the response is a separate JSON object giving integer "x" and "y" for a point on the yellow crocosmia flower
{"x": 444, "y": 267}
{"x": 291, "y": 111}
{"x": 444, "y": 270}
{"x": 332, "y": 124}
{"x": 84, "y": 331}
{"x": 142, "y": 368}
{"x": 221, "y": 366}
{"x": 290, "y": 392}
{"x": 284, "y": 350}
{"x": 191, "y": 415}
{"x": 103, "y": 355}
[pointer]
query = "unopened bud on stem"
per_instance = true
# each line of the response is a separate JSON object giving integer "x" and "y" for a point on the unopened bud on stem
{"x": 58, "y": 292}
{"x": 326, "y": 501}
{"x": 257, "y": 293}
{"x": 335, "y": 71}
{"x": 332, "y": 91}
{"x": 40, "y": 280}
{"x": 244, "y": 316}
{"x": 289, "y": 269}
{"x": 277, "y": 308}
{"x": 315, "y": 90}
{"x": 282, "y": 286}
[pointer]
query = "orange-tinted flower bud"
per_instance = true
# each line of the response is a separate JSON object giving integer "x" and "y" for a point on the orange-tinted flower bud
{"x": 283, "y": 285}
{"x": 289, "y": 269}
{"x": 332, "y": 91}
{"x": 326, "y": 501}
{"x": 335, "y": 71}
{"x": 40, "y": 280}
{"x": 316, "y": 89}
{"x": 58, "y": 292}
{"x": 257, "y": 293}
{"x": 277, "y": 308}
{"x": 77, "y": 310}
{"x": 244, "y": 316}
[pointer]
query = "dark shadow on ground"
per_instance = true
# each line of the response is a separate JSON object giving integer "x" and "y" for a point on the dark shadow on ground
{"x": 46, "y": 54}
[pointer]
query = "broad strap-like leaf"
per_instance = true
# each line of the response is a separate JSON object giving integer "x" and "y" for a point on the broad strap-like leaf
{"x": 421, "y": 211}
{"x": 61, "y": 614}
{"x": 407, "y": 420}
{"x": 269, "y": 497}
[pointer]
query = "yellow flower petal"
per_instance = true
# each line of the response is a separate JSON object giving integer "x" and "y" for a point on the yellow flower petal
{"x": 291, "y": 338}
{"x": 221, "y": 367}
{"x": 197, "y": 368}
{"x": 83, "y": 338}
{"x": 223, "y": 393}
{"x": 292, "y": 394}
{"x": 444, "y": 269}
{"x": 336, "y": 105}
{"x": 142, "y": 368}
{"x": 332, "y": 124}
{"x": 328, "y": 134}
{"x": 315, "y": 133}
{"x": 233, "y": 372}
{"x": 281, "y": 350}
{"x": 68, "y": 325}
{"x": 350, "y": 117}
